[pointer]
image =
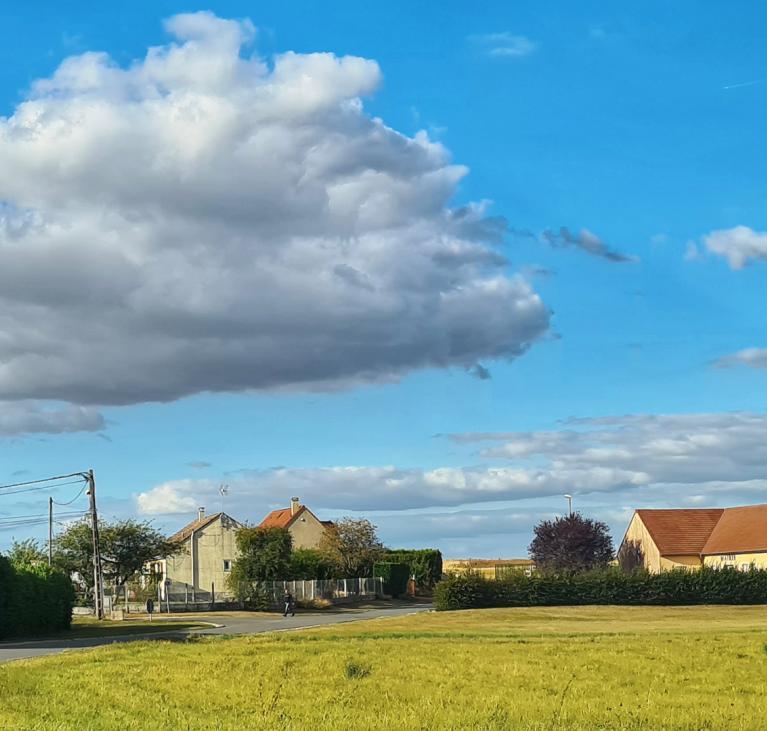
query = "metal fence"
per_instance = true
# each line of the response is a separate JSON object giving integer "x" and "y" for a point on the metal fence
{"x": 333, "y": 590}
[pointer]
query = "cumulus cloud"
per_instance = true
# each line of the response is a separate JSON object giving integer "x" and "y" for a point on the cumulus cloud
{"x": 202, "y": 220}
{"x": 383, "y": 488}
{"x": 640, "y": 455}
{"x": 612, "y": 465}
{"x": 504, "y": 45}
{"x": 29, "y": 417}
{"x": 751, "y": 357}
{"x": 739, "y": 245}
{"x": 683, "y": 449}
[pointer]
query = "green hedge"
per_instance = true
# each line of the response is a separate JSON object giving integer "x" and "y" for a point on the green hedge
{"x": 609, "y": 586}
{"x": 395, "y": 576}
{"x": 425, "y": 564}
{"x": 34, "y": 601}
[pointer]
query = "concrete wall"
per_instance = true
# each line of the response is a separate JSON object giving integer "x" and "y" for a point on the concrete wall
{"x": 213, "y": 544}
{"x": 742, "y": 561}
{"x": 306, "y": 531}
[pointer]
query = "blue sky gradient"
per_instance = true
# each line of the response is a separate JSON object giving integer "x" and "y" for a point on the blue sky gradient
{"x": 639, "y": 123}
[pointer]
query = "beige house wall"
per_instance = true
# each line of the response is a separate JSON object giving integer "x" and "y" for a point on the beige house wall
{"x": 638, "y": 533}
{"x": 213, "y": 544}
{"x": 742, "y": 561}
{"x": 667, "y": 563}
{"x": 306, "y": 531}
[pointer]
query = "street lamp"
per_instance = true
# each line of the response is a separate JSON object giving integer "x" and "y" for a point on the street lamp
{"x": 569, "y": 504}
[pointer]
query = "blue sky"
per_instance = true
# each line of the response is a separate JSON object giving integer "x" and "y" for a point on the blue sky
{"x": 637, "y": 129}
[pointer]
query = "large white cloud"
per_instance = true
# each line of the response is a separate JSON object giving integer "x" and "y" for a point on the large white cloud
{"x": 206, "y": 221}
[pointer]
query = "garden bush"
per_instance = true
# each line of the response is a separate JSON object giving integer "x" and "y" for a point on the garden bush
{"x": 394, "y": 575}
{"x": 34, "y": 600}
{"x": 424, "y": 564}
{"x": 607, "y": 586}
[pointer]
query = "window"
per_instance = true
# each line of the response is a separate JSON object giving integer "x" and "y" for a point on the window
{"x": 227, "y": 564}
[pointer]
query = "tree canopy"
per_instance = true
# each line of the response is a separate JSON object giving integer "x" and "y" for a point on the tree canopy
{"x": 571, "y": 543}
{"x": 264, "y": 555}
{"x": 126, "y": 545}
{"x": 353, "y": 545}
{"x": 25, "y": 554}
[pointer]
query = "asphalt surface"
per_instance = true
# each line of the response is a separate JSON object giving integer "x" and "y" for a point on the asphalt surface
{"x": 237, "y": 623}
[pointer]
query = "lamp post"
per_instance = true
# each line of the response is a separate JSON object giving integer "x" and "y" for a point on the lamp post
{"x": 569, "y": 504}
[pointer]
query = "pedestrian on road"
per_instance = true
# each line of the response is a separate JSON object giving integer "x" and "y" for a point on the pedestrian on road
{"x": 290, "y": 605}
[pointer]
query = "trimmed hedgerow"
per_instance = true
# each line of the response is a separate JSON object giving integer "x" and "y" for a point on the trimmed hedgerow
{"x": 394, "y": 575}
{"x": 608, "y": 586}
{"x": 425, "y": 565}
{"x": 34, "y": 600}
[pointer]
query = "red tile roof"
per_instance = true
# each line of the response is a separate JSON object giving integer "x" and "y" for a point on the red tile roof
{"x": 680, "y": 532}
{"x": 739, "y": 530}
{"x": 281, "y": 518}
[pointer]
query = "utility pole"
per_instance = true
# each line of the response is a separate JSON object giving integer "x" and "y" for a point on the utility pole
{"x": 98, "y": 585}
{"x": 50, "y": 531}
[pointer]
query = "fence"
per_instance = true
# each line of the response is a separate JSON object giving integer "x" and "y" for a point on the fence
{"x": 333, "y": 590}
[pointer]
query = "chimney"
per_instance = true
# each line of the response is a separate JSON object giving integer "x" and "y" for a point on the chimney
{"x": 295, "y": 504}
{"x": 200, "y": 513}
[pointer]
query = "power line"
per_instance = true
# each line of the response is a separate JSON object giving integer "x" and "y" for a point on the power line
{"x": 82, "y": 490}
{"x": 5, "y": 518}
{"x": 40, "y": 487}
{"x": 81, "y": 475}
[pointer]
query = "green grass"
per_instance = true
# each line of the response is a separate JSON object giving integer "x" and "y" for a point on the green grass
{"x": 543, "y": 668}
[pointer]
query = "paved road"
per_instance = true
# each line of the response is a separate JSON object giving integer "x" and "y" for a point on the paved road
{"x": 235, "y": 624}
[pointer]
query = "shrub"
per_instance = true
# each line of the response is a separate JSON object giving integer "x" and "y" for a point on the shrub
{"x": 309, "y": 563}
{"x": 34, "y": 600}
{"x": 604, "y": 586}
{"x": 395, "y": 576}
{"x": 424, "y": 564}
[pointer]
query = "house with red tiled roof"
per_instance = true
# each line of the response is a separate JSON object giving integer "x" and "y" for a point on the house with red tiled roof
{"x": 693, "y": 537}
{"x": 305, "y": 528}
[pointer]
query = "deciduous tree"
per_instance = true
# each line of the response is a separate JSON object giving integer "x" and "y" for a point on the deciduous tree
{"x": 126, "y": 546}
{"x": 571, "y": 543}
{"x": 353, "y": 545}
{"x": 25, "y": 554}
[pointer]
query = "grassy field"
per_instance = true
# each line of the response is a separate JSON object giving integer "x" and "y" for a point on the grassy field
{"x": 543, "y": 668}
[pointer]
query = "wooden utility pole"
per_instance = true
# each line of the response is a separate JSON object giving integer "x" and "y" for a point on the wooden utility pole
{"x": 98, "y": 584}
{"x": 50, "y": 531}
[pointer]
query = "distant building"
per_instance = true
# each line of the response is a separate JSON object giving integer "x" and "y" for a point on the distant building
{"x": 205, "y": 560}
{"x": 490, "y": 568}
{"x": 694, "y": 537}
{"x": 305, "y": 528}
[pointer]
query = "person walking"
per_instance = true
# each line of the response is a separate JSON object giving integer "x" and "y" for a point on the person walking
{"x": 290, "y": 605}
